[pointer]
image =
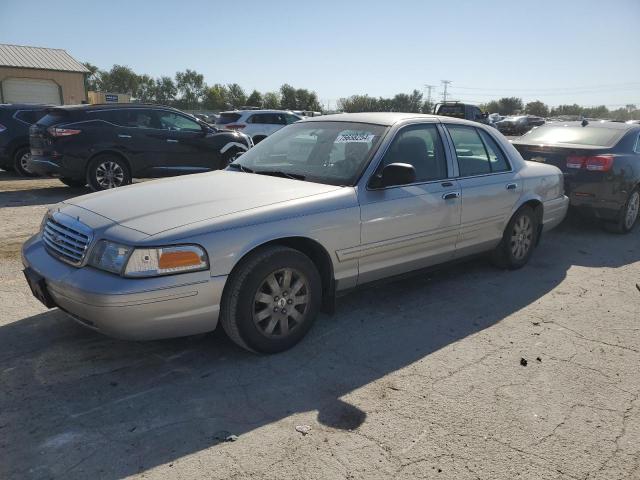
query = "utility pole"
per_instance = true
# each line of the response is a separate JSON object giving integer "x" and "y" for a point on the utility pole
{"x": 429, "y": 88}
{"x": 445, "y": 84}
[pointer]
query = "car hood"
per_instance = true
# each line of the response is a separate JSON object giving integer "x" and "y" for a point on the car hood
{"x": 156, "y": 206}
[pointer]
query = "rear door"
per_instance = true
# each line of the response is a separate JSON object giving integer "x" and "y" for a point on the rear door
{"x": 407, "y": 227}
{"x": 489, "y": 187}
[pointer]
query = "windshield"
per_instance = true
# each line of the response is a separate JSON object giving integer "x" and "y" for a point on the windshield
{"x": 577, "y": 135}
{"x": 328, "y": 152}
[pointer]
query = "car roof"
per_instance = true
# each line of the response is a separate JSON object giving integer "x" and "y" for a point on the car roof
{"x": 23, "y": 106}
{"x": 111, "y": 106}
{"x": 257, "y": 111}
{"x": 379, "y": 118}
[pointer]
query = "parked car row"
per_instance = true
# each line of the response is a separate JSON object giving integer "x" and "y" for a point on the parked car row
{"x": 15, "y": 120}
{"x": 258, "y": 124}
{"x": 518, "y": 125}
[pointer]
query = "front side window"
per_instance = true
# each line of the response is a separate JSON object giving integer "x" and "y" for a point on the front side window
{"x": 173, "y": 121}
{"x": 291, "y": 118}
{"x": 470, "y": 151}
{"x": 637, "y": 147}
{"x": 421, "y": 147}
{"x": 328, "y": 152}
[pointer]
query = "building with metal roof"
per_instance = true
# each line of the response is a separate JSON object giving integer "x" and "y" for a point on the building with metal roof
{"x": 40, "y": 75}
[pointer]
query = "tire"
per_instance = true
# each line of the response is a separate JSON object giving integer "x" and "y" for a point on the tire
{"x": 20, "y": 159}
{"x": 257, "y": 139}
{"x": 108, "y": 171}
{"x": 518, "y": 241}
{"x": 229, "y": 157}
{"x": 254, "y": 310}
{"x": 628, "y": 216}
{"x": 72, "y": 182}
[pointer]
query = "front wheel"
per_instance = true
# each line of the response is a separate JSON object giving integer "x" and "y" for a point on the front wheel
{"x": 272, "y": 299}
{"x": 518, "y": 240}
{"x": 108, "y": 171}
{"x": 21, "y": 162}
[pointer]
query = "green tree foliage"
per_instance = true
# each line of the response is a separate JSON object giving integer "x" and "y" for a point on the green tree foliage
{"x": 271, "y": 100}
{"x": 255, "y": 99}
{"x": 146, "y": 91}
{"x": 166, "y": 91}
{"x": 236, "y": 96}
{"x": 215, "y": 97}
{"x": 93, "y": 77}
{"x": 191, "y": 86}
{"x": 288, "y": 97}
{"x": 537, "y": 108}
{"x": 402, "y": 102}
{"x": 120, "y": 79}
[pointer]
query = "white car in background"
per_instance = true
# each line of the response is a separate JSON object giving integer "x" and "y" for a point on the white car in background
{"x": 258, "y": 124}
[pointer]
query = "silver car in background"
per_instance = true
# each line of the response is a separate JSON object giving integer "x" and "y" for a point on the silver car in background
{"x": 317, "y": 208}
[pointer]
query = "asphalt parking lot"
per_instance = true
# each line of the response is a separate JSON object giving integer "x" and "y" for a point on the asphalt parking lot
{"x": 464, "y": 373}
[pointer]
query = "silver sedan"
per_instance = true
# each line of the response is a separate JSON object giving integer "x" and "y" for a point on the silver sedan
{"x": 317, "y": 208}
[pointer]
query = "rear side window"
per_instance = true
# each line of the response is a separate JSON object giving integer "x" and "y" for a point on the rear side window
{"x": 227, "y": 118}
{"x": 472, "y": 155}
{"x": 130, "y": 118}
{"x": 29, "y": 116}
{"x": 497, "y": 159}
{"x": 54, "y": 117}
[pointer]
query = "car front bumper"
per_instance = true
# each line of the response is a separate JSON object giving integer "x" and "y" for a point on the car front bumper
{"x": 132, "y": 309}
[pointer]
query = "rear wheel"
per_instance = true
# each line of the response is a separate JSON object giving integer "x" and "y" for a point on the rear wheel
{"x": 272, "y": 299}
{"x": 628, "y": 216}
{"x": 518, "y": 240}
{"x": 21, "y": 162}
{"x": 72, "y": 182}
{"x": 108, "y": 171}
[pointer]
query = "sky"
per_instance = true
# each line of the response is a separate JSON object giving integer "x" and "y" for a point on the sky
{"x": 560, "y": 51}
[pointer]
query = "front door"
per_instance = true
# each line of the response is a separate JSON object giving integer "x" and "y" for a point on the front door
{"x": 408, "y": 227}
{"x": 489, "y": 187}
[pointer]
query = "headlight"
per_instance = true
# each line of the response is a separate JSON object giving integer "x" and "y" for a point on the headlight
{"x": 151, "y": 262}
{"x": 147, "y": 262}
{"x": 109, "y": 256}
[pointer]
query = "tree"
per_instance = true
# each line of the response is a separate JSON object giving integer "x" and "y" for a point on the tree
{"x": 271, "y": 100}
{"x": 215, "y": 97}
{"x": 146, "y": 91}
{"x": 255, "y": 99}
{"x": 288, "y": 97}
{"x": 120, "y": 79}
{"x": 358, "y": 103}
{"x": 537, "y": 108}
{"x": 427, "y": 107}
{"x": 509, "y": 105}
{"x": 236, "y": 96}
{"x": 191, "y": 86}
{"x": 574, "y": 110}
{"x": 166, "y": 90}
{"x": 491, "y": 107}
{"x": 93, "y": 77}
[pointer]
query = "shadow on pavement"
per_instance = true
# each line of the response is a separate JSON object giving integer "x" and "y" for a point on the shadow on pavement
{"x": 74, "y": 403}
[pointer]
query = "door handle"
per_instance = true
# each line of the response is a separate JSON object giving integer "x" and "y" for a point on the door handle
{"x": 512, "y": 186}
{"x": 450, "y": 195}
{"x": 447, "y": 184}
{"x": 121, "y": 135}
{"x": 172, "y": 140}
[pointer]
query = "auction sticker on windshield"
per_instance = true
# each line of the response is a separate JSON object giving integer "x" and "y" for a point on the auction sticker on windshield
{"x": 355, "y": 137}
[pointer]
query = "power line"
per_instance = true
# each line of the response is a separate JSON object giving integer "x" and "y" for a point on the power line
{"x": 429, "y": 88}
{"x": 554, "y": 89}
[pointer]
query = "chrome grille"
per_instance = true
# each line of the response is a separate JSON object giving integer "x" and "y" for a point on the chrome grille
{"x": 66, "y": 238}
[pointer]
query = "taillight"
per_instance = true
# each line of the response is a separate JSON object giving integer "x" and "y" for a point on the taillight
{"x": 235, "y": 126}
{"x": 597, "y": 163}
{"x": 62, "y": 132}
{"x": 600, "y": 163}
{"x": 576, "y": 161}
{"x": 2, "y": 128}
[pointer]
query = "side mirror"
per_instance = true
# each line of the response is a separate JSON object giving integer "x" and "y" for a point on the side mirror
{"x": 397, "y": 174}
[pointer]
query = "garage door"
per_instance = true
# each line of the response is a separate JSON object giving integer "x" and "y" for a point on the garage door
{"x": 30, "y": 90}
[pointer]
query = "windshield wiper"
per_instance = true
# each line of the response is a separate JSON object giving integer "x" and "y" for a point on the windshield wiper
{"x": 280, "y": 173}
{"x": 241, "y": 167}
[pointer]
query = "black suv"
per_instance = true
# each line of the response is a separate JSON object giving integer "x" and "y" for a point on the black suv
{"x": 15, "y": 121}
{"x": 105, "y": 146}
{"x": 466, "y": 111}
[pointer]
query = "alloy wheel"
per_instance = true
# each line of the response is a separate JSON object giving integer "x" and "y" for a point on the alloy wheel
{"x": 521, "y": 237}
{"x": 24, "y": 161}
{"x": 109, "y": 174}
{"x": 281, "y": 302}
{"x": 632, "y": 210}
